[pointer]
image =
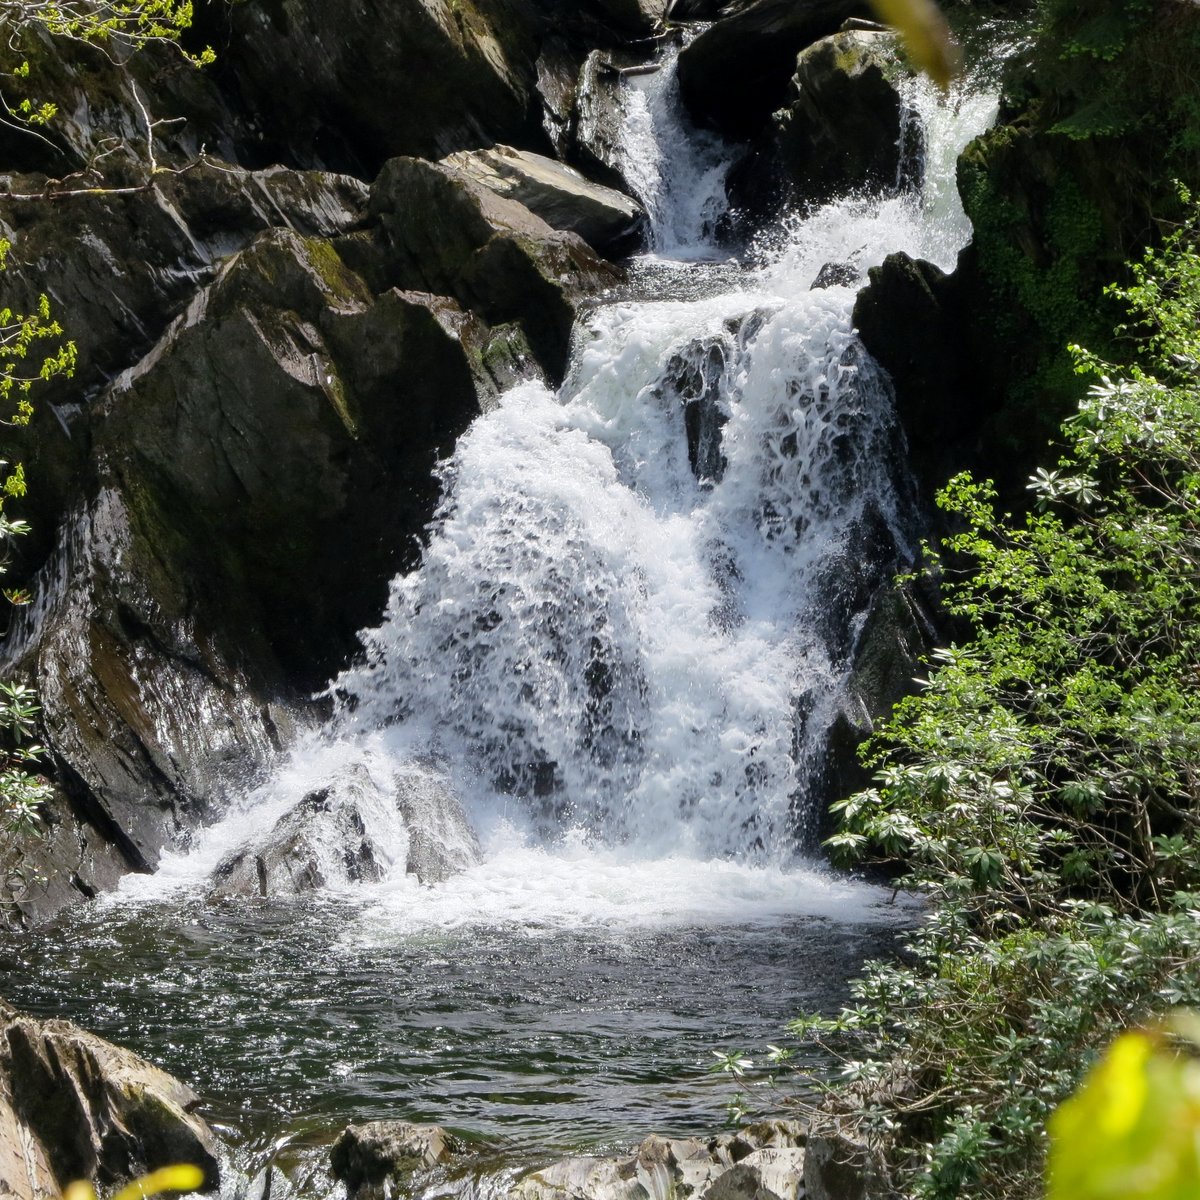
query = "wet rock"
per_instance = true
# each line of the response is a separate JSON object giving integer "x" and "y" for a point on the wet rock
{"x": 117, "y": 270}
{"x": 842, "y": 126}
{"x": 764, "y": 1161}
{"x": 910, "y": 317}
{"x": 275, "y": 420}
{"x": 380, "y": 79}
{"x": 835, "y": 274}
{"x": 149, "y": 711}
{"x": 582, "y": 1179}
{"x": 65, "y": 859}
{"x": 75, "y": 1107}
{"x": 695, "y": 379}
{"x": 441, "y": 231}
{"x": 837, "y": 1167}
{"x": 736, "y": 73}
{"x": 899, "y": 630}
{"x": 558, "y": 67}
{"x": 356, "y": 830}
{"x": 373, "y": 1159}
{"x": 606, "y": 219}
{"x": 599, "y": 110}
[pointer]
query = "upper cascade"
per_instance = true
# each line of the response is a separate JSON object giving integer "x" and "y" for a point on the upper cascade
{"x": 641, "y": 595}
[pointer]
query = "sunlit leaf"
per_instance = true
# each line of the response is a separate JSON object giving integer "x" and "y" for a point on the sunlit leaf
{"x": 168, "y": 1179}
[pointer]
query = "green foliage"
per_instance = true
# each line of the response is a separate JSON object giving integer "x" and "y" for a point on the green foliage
{"x": 1043, "y": 787}
{"x": 1102, "y": 114}
{"x": 31, "y": 351}
{"x": 121, "y": 24}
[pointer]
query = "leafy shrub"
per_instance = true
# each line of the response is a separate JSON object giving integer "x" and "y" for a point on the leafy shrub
{"x": 1043, "y": 787}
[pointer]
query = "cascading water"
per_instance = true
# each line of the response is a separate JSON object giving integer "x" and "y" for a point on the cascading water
{"x": 627, "y": 639}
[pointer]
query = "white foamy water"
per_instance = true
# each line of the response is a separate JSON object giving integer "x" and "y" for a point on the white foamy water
{"x": 634, "y": 622}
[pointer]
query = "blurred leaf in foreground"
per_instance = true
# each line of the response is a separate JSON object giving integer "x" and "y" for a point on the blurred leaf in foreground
{"x": 925, "y": 34}
{"x": 1133, "y": 1129}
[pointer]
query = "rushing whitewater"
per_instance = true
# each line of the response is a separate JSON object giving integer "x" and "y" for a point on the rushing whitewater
{"x": 634, "y": 622}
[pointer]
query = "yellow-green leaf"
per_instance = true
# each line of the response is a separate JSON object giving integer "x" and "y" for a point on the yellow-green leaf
{"x": 1132, "y": 1131}
{"x": 925, "y": 34}
{"x": 168, "y": 1179}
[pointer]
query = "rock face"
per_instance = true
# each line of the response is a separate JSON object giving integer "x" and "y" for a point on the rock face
{"x": 441, "y": 231}
{"x": 735, "y": 74}
{"x": 75, "y": 1107}
{"x": 66, "y": 858}
{"x": 354, "y": 830}
{"x": 606, "y": 219}
{"x": 119, "y": 268}
{"x": 843, "y": 127}
{"x": 247, "y": 460}
{"x": 844, "y": 122}
{"x": 911, "y": 317}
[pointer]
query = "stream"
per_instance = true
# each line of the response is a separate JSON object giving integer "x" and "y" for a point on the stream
{"x": 624, "y": 649}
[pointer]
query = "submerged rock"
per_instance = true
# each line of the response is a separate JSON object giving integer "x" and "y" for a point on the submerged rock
{"x": 372, "y": 1160}
{"x": 75, "y": 1107}
{"x": 355, "y": 830}
{"x": 606, "y": 219}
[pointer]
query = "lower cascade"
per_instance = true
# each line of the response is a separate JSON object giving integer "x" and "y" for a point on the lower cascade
{"x": 590, "y": 736}
{"x": 635, "y": 620}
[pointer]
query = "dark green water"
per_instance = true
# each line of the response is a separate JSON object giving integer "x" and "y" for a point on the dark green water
{"x": 548, "y": 1038}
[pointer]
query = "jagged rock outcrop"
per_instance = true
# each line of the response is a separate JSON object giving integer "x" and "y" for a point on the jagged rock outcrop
{"x": 118, "y": 268}
{"x": 735, "y": 74}
{"x": 763, "y": 1161}
{"x": 843, "y": 124}
{"x": 354, "y": 830}
{"x": 438, "y": 230}
{"x": 608, "y": 220}
{"x": 911, "y": 318}
{"x": 75, "y": 1107}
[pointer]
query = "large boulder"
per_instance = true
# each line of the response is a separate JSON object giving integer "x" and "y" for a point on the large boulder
{"x": 606, "y": 219}
{"x": 735, "y": 74}
{"x": 356, "y": 830}
{"x": 75, "y": 1107}
{"x": 117, "y": 269}
{"x": 439, "y": 230}
{"x": 912, "y": 317}
{"x": 844, "y": 123}
{"x": 275, "y": 423}
{"x": 843, "y": 127}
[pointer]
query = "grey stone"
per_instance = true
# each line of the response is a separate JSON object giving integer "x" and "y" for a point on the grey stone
{"x": 561, "y": 196}
{"x": 350, "y": 831}
{"x": 75, "y": 1107}
{"x": 373, "y": 1159}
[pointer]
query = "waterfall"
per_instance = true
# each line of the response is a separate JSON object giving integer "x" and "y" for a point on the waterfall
{"x": 633, "y": 624}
